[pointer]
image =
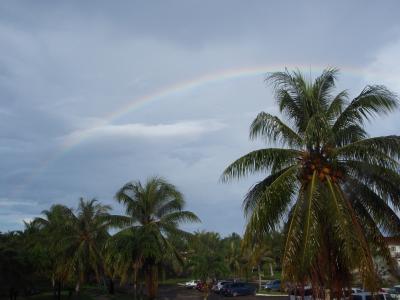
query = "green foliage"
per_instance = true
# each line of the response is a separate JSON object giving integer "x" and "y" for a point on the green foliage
{"x": 68, "y": 247}
{"x": 75, "y": 240}
{"x": 16, "y": 267}
{"x": 206, "y": 258}
{"x": 154, "y": 212}
{"x": 334, "y": 188}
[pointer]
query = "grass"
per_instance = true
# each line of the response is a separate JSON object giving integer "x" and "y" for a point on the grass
{"x": 277, "y": 275}
{"x": 64, "y": 296}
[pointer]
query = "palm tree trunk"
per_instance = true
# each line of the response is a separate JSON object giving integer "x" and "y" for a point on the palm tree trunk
{"x": 151, "y": 280}
{"x": 206, "y": 290}
{"x": 271, "y": 270}
{"x": 53, "y": 284}
{"x": 106, "y": 282}
{"x": 327, "y": 294}
{"x": 111, "y": 286}
{"x": 164, "y": 274}
{"x": 59, "y": 290}
{"x": 77, "y": 287}
{"x": 135, "y": 279}
{"x": 259, "y": 277}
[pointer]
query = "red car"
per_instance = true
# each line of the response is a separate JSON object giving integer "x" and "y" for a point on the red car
{"x": 201, "y": 286}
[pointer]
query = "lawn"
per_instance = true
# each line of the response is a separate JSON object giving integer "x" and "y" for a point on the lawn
{"x": 64, "y": 296}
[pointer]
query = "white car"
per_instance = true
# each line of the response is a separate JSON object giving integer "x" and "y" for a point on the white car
{"x": 394, "y": 292}
{"x": 296, "y": 293}
{"x": 217, "y": 287}
{"x": 368, "y": 296}
{"x": 191, "y": 284}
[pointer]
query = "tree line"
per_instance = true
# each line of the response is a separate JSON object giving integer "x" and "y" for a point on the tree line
{"x": 68, "y": 247}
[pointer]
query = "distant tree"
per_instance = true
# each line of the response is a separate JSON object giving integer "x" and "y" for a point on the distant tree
{"x": 15, "y": 267}
{"x": 53, "y": 228}
{"x": 207, "y": 259}
{"x": 85, "y": 236}
{"x": 76, "y": 240}
{"x": 233, "y": 254}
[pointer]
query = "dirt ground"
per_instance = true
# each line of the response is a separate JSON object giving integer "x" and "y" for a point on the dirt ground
{"x": 181, "y": 293}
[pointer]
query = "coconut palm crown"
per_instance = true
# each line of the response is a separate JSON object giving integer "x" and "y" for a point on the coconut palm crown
{"x": 335, "y": 188}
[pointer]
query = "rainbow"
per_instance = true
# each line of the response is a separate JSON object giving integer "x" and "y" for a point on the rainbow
{"x": 176, "y": 89}
{"x": 193, "y": 84}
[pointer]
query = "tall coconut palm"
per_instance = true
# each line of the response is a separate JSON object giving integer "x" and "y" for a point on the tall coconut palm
{"x": 153, "y": 211}
{"x": 335, "y": 187}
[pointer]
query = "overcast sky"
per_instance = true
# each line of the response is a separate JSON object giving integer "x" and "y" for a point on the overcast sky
{"x": 94, "y": 94}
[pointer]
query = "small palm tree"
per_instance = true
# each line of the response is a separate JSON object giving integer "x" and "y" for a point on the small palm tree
{"x": 207, "y": 258}
{"x": 334, "y": 187}
{"x": 52, "y": 228}
{"x": 77, "y": 239}
{"x": 85, "y": 236}
{"x": 234, "y": 257}
{"x": 258, "y": 253}
{"x": 153, "y": 212}
{"x": 123, "y": 256}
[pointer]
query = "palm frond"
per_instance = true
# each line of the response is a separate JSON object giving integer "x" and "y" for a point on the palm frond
{"x": 389, "y": 145}
{"x": 378, "y": 208}
{"x": 272, "y": 204}
{"x": 257, "y": 192}
{"x": 260, "y": 160}
{"x": 373, "y": 100}
{"x": 274, "y": 130}
{"x": 179, "y": 217}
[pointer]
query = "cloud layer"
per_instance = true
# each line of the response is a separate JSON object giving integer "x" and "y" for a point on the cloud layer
{"x": 65, "y": 67}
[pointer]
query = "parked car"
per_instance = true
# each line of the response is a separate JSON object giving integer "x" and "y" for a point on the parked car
{"x": 273, "y": 285}
{"x": 219, "y": 285}
{"x": 238, "y": 289}
{"x": 191, "y": 284}
{"x": 368, "y": 296}
{"x": 296, "y": 293}
{"x": 200, "y": 286}
{"x": 394, "y": 292}
{"x": 355, "y": 290}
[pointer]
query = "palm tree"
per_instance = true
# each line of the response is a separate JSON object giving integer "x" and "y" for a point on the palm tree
{"x": 334, "y": 187}
{"x": 123, "y": 257}
{"x": 86, "y": 234}
{"x": 77, "y": 239}
{"x": 52, "y": 229}
{"x": 234, "y": 257}
{"x": 153, "y": 212}
{"x": 207, "y": 258}
{"x": 258, "y": 253}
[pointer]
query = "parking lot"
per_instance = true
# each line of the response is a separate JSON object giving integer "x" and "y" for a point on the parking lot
{"x": 176, "y": 292}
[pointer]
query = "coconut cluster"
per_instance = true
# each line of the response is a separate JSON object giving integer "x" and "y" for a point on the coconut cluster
{"x": 319, "y": 164}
